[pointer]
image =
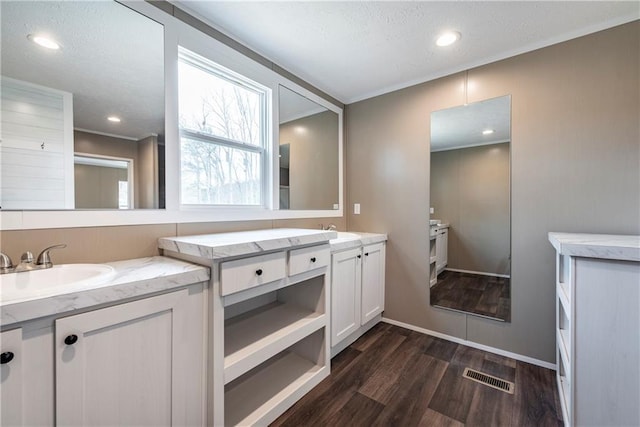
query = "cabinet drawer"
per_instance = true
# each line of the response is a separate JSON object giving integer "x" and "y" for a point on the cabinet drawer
{"x": 247, "y": 273}
{"x": 307, "y": 259}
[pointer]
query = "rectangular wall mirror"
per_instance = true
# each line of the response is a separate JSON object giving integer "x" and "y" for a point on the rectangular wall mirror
{"x": 96, "y": 88}
{"x": 470, "y": 222}
{"x": 309, "y": 154}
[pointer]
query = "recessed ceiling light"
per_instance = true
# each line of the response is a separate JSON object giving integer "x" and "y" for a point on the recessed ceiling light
{"x": 487, "y": 131}
{"x": 448, "y": 38}
{"x": 114, "y": 119}
{"x": 44, "y": 41}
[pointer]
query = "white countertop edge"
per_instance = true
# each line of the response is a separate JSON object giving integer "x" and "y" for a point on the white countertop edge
{"x": 133, "y": 278}
{"x": 363, "y": 239}
{"x": 225, "y": 245}
{"x": 606, "y": 246}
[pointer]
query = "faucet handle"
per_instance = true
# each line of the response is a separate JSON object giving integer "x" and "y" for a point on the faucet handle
{"x": 5, "y": 263}
{"x": 45, "y": 259}
{"x": 26, "y": 257}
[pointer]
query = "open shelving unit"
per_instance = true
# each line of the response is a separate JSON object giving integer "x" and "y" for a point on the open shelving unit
{"x": 274, "y": 345}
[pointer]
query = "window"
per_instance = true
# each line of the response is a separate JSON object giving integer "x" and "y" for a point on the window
{"x": 223, "y": 137}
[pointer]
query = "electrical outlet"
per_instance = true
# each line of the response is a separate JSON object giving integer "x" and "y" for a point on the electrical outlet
{"x": 431, "y": 210}
{"x": 356, "y": 208}
{"x": 336, "y": 206}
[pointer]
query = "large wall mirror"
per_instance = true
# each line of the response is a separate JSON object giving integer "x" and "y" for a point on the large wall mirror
{"x": 470, "y": 220}
{"x": 82, "y": 121}
{"x": 309, "y": 154}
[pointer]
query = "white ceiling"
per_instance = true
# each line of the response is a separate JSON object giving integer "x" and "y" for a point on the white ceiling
{"x": 111, "y": 60}
{"x": 462, "y": 126}
{"x": 354, "y": 50}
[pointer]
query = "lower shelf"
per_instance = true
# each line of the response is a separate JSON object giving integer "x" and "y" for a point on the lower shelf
{"x": 264, "y": 393}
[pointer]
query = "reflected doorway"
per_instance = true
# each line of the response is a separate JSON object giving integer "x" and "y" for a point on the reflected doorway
{"x": 103, "y": 182}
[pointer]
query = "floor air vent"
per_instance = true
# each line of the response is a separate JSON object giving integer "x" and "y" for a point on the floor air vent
{"x": 489, "y": 380}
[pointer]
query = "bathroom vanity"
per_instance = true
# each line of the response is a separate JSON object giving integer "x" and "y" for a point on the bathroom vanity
{"x": 598, "y": 344}
{"x": 77, "y": 358}
{"x": 268, "y": 321}
{"x": 281, "y": 303}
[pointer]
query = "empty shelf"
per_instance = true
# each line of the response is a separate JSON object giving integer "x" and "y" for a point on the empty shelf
{"x": 254, "y": 337}
{"x": 259, "y": 397}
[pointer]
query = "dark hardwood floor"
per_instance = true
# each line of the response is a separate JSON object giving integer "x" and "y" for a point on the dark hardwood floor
{"x": 393, "y": 376}
{"x": 473, "y": 293}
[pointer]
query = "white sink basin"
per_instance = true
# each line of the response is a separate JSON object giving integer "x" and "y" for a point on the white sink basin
{"x": 59, "y": 279}
{"x": 344, "y": 236}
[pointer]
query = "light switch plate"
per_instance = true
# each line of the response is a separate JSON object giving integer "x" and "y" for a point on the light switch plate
{"x": 356, "y": 208}
{"x": 431, "y": 210}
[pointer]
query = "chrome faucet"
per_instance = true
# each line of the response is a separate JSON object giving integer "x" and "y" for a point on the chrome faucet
{"x": 26, "y": 261}
{"x": 330, "y": 227}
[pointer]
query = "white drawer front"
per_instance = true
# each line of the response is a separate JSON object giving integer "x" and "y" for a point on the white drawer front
{"x": 247, "y": 273}
{"x": 307, "y": 259}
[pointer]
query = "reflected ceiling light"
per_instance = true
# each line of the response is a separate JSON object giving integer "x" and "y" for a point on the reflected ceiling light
{"x": 448, "y": 38}
{"x": 114, "y": 119}
{"x": 487, "y": 131}
{"x": 44, "y": 41}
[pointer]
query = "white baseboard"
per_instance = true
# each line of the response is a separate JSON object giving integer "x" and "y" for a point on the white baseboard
{"x": 481, "y": 273}
{"x": 483, "y": 347}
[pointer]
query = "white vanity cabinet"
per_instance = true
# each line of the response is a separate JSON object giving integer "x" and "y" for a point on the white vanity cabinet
{"x": 598, "y": 343}
{"x": 268, "y": 328}
{"x": 357, "y": 292}
{"x": 442, "y": 248}
{"x": 88, "y": 358}
{"x": 346, "y": 291}
{"x": 11, "y": 362}
{"x": 138, "y": 363}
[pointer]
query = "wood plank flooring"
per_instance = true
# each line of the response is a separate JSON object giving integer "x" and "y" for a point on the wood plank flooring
{"x": 473, "y": 293}
{"x": 393, "y": 376}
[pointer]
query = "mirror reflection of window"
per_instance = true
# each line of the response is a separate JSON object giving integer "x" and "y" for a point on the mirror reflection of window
{"x": 310, "y": 132}
{"x": 470, "y": 231}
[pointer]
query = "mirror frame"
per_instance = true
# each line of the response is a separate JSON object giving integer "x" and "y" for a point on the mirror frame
{"x": 177, "y": 32}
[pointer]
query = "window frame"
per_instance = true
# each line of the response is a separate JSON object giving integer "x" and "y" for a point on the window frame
{"x": 208, "y": 66}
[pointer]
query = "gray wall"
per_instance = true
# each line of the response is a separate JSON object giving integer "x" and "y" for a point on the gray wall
{"x": 96, "y": 187}
{"x": 470, "y": 191}
{"x": 313, "y": 160}
{"x": 575, "y": 167}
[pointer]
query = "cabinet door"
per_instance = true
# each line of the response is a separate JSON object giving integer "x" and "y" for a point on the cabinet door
{"x": 372, "y": 281}
{"x": 11, "y": 378}
{"x": 345, "y": 294}
{"x": 123, "y": 365}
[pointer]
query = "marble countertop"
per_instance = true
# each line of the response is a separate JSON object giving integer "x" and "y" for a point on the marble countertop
{"x": 353, "y": 239}
{"x": 226, "y": 245}
{"x": 132, "y": 278}
{"x": 608, "y": 246}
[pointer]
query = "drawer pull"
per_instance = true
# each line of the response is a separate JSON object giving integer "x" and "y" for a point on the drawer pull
{"x": 71, "y": 339}
{"x": 313, "y": 259}
{"x": 259, "y": 272}
{"x": 6, "y": 357}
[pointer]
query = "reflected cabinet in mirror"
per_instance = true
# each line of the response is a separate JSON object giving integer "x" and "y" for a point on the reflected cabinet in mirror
{"x": 309, "y": 151}
{"x": 82, "y": 111}
{"x": 470, "y": 221}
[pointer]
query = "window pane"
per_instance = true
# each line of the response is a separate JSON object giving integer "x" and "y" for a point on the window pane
{"x": 218, "y": 175}
{"x": 218, "y": 107}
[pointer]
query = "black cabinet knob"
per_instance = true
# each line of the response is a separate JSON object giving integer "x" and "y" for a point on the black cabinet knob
{"x": 6, "y": 357}
{"x": 259, "y": 272}
{"x": 366, "y": 254}
{"x": 71, "y": 339}
{"x": 359, "y": 256}
{"x": 313, "y": 259}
